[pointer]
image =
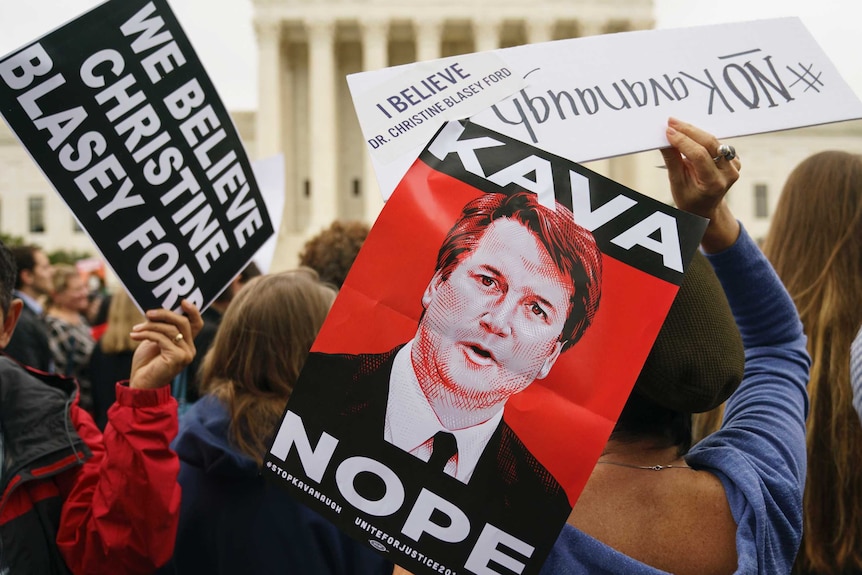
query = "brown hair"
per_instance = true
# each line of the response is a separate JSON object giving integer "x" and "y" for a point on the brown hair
{"x": 60, "y": 280}
{"x": 331, "y": 252}
{"x": 25, "y": 259}
{"x": 259, "y": 350}
{"x": 62, "y": 274}
{"x": 815, "y": 245}
{"x": 122, "y": 315}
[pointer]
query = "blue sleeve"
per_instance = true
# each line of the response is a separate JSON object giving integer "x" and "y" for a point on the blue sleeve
{"x": 759, "y": 453}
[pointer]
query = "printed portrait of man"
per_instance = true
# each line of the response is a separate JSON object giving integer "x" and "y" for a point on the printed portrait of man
{"x": 515, "y": 285}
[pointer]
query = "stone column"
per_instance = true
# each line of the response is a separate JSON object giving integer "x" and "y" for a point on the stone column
{"x": 429, "y": 33}
{"x": 375, "y": 55}
{"x": 486, "y": 33}
{"x": 539, "y": 30}
{"x": 322, "y": 140}
{"x": 268, "y": 118}
{"x": 590, "y": 28}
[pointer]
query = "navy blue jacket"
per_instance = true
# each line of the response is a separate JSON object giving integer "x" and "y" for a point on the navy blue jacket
{"x": 234, "y": 521}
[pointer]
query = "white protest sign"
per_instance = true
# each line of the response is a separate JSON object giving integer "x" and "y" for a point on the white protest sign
{"x": 610, "y": 95}
{"x": 269, "y": 173}
{"x": 416, "y": 99}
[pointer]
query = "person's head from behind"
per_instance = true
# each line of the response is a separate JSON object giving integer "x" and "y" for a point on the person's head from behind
{"x": 331, "y": 252}
{"x": 69, "y": 289}
{"x": 35, "y": 271}
{"x": 10, "y": 307}
{"x": 123, "y": 314}
{"x": 260, "y": 348}
{"x": 814, "y": 242}
{"x": 516, "y": 284}
{"x": 814, "y": 245}
{"x": 695, "y": 364}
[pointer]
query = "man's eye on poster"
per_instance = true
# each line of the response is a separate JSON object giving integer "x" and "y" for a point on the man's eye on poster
{"x": 471, "y": 369}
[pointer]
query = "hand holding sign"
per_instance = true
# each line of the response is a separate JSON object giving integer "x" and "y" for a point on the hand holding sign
{"x": 699, "y": 182}
{"x": 167, "y": 346}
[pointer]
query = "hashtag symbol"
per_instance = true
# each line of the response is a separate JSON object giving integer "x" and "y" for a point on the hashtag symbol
{"x": 809, "y": 78}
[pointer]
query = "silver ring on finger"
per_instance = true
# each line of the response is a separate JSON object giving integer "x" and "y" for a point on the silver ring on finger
{"x": 178, "y": 338}
{"x": 725, "y": 151}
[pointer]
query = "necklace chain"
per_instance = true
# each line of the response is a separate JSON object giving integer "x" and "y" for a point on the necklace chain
{"x": 651, "y": 467}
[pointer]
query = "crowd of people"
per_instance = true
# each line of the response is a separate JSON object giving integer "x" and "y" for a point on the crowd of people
{"x": 101, "y": 474}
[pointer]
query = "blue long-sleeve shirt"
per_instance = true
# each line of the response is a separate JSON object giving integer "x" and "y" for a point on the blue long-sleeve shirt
{"x": 759, "y": 452}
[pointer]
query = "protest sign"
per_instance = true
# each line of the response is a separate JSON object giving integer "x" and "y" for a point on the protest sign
{"x": 522, "y": 327}
{"x": 609, "y": 95}
{"x": 269, "y": 173}
{"x": 120, "y": 116}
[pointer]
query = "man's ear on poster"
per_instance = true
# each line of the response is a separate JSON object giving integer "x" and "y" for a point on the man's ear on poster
{"x": 431, "y": 289}
{"x": 550, "y": 360}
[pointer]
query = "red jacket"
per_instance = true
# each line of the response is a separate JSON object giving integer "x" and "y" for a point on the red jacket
{"x": 74, "y": 500}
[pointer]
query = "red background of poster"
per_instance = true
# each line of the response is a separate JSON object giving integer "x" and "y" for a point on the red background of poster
{"x": 565, "y": 419}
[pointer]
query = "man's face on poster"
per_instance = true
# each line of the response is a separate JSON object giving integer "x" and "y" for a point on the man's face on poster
{"x": 493, "y": 326}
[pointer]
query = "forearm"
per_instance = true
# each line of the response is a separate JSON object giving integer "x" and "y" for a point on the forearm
{"x": 122, "y": 509}
{"x": 772, "y": 402}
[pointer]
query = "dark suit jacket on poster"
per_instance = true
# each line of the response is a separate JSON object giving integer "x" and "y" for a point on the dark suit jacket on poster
{"x": 29, "y": 343}
{"x": 346, "y": 396}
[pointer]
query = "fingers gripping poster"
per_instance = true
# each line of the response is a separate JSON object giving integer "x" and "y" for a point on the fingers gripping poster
{"x": 121, "y": 117}
{"x": 473, "y": 364}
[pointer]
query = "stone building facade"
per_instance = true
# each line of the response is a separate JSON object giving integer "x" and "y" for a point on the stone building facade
{"x": 305, "y": 50}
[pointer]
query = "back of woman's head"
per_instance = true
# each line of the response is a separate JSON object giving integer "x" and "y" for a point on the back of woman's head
{"x": 815, "y": 245}
{"x": 122, "y": 315}
{"x": 259, "y": 350}
{"x": 813, "y": 240}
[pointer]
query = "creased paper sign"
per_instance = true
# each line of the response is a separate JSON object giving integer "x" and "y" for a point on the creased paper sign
{"x": 514, "y": 312}
{"x": 610, "y": 95}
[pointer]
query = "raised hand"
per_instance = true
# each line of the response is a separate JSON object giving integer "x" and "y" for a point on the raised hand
{"x": 167, "y": 345}
{"x": 699, "y": 180}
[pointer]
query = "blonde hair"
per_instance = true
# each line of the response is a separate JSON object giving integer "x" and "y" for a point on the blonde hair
{"x": 815, "y": 245}
{"x": 122, "y": 315}
{"x": 259, "y": 350}
{"x": 60, "y": 280}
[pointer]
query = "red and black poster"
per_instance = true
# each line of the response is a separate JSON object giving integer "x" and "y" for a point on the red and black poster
{"x": 120, "y": 116}
{"x": 479, "y": 353}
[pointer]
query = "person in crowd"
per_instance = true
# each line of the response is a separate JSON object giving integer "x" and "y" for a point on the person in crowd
{"x": 29, "y": 343}
{"x": 187, "y": 386}
{"x": 856, "y": 372}
{"x": 331, "y": 252}
{"x": 248, "y": 376}
{"x": 111, "y": 360}
{"x": 733, "y": 502}
{"x": 814, "y": 245}
{"x": 98, "y": 318}
{"x": 75, "y": 500}
{"x": 69, "y": 334}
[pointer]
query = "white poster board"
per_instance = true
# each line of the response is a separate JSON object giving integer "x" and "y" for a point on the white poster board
{"x": 603, "y": 96}
{"x": 269, "y": 173}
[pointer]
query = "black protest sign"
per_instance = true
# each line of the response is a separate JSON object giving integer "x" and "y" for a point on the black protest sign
{"x": 120, "y": 116}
